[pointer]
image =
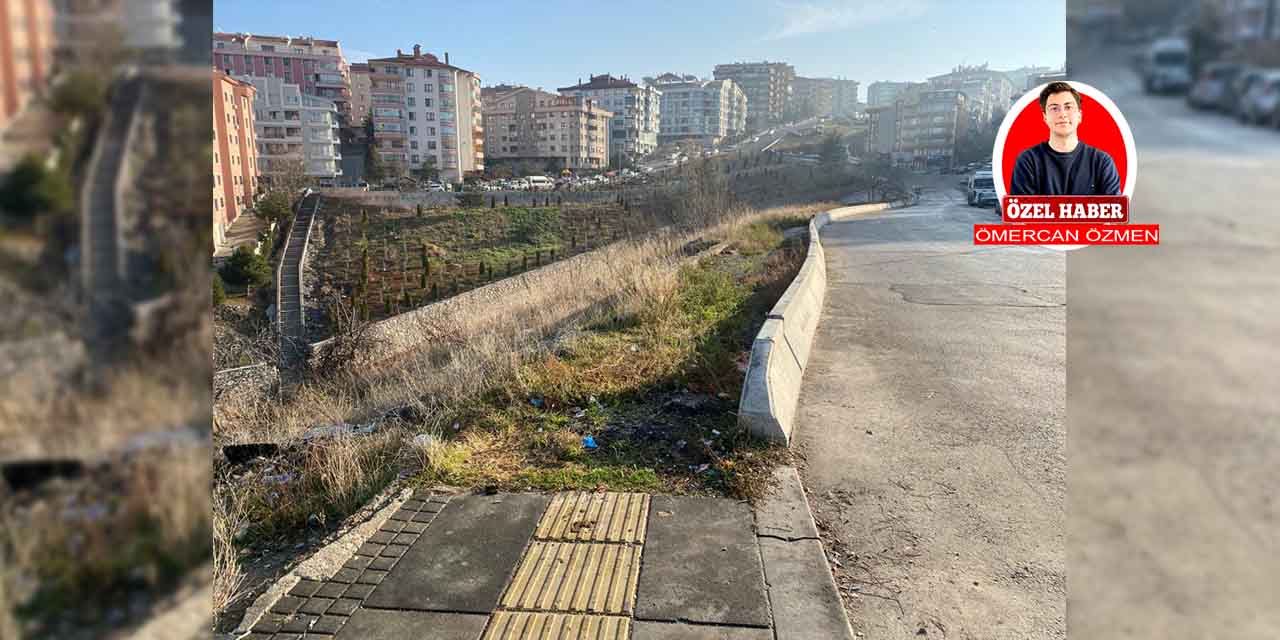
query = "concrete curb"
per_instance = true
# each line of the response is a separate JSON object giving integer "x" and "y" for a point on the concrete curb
{"x": 781, "y": 349}
{"x": 802, "y": 591}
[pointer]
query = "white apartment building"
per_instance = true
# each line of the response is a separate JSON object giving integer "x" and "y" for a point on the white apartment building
{"x": 293, "y": 126}
{"x": 633, "y": 130}
{"x": 424, "y": 111}
{"x": 705, "y": 110}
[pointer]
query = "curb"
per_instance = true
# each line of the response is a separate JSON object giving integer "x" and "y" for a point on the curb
{"x": 802, "y": 591}
{"x": 780, "y": 351}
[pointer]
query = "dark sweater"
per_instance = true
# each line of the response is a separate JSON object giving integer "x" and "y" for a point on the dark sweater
{"x": 1085, "y": 171}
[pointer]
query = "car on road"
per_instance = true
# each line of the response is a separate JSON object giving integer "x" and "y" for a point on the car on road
{"x": 1261, "y": 103}
{"x": 1212, "y": 88}
{"x": 988, "y": 198}
{"x": 979, "y": 183}
{"x": 1239, "y": 86}
{"x": 1166, "y": 67}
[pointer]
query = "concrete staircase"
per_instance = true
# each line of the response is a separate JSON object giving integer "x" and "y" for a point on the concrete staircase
{"x": 290, "y": 314}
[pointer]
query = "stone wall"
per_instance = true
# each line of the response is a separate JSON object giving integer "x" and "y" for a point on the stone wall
{"x": 253, "y": 383}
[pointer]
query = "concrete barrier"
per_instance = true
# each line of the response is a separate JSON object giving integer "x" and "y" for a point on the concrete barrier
{"x": 781, "y": 350}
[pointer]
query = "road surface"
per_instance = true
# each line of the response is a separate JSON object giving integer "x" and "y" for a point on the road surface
{"x": 932, "y": 424}
{"x": 1172, "y": 404}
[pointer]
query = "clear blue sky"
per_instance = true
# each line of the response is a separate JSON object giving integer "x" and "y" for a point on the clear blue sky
{"x": 550, "y": 43}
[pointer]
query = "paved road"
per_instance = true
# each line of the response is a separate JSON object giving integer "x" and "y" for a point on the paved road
{"x": 932, "y": 422}
{"x": 1173, "y": 408}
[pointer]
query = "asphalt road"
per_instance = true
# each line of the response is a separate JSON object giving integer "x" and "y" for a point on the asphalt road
{"x": 1173, "y": 410}
{"x": 932, "y": 423}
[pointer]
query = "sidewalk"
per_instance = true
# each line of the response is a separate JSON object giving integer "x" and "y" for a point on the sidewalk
{"x": 577, "y": 565}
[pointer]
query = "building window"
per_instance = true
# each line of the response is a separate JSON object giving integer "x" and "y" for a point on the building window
{"x": 431, "y": 145}
{"x": 413, "y": 144}
{"x": 426, "y": 102}
{"x": 415, "y": 158}
{"x": 411, "y": 102}
{"x": 409, "y": 72}
{"x": 431, "y": 131}
{"x": 430, "y": 116}
{"x": 413, "y": 130}
{"x": 412, "y": 116}
{"x": 427, "y": 86}
{"x": 219, "y": 45}
{"x": 428, "y": 73}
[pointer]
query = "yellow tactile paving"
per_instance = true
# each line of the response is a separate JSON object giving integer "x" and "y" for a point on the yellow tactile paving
{"x": 520, "y": 625}
{"x": 595, "y": 517}
{"x": 575, "y": 577}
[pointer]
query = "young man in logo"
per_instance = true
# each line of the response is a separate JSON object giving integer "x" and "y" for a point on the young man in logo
{"x": 1063, "y": 165}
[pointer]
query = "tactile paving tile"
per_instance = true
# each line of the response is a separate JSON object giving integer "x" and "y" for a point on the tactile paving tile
{"x": 595, "y": 517}
{"x": 520, "y": 625}
{"x": 576, "y": 577}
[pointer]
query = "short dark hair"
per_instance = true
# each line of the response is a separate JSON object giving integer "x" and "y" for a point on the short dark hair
{"x": 1057, "y": 87}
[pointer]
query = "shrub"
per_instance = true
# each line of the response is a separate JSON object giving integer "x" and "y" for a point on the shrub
{"x": 80, "y": 93}
{"x": 245, "y": 267}
{"x": 219, "y": 291}
{"x": 32, "y": 189}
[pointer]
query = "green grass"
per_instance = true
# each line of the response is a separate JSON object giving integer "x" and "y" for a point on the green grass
{"x": 578, "y": 477}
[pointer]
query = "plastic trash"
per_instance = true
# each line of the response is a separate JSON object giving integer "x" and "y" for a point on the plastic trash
{"x": 588, "y": 442}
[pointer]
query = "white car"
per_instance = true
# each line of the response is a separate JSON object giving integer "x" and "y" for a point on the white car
{"x": 1261, "y": 104}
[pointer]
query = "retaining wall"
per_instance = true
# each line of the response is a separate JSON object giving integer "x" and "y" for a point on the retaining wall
{"x": 253, "y": 383}
{"x": 781, "y": 350}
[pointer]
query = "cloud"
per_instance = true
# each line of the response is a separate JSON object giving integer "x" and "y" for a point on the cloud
{"x": 807, "y": 18}
{"x": 359, "y": 55}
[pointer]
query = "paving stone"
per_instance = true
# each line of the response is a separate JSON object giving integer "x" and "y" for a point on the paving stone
{"x": 370, "y": 549}
{"x": 394, "y": 550}
{"x": 328, "y": 624}
{"x": 298, "y": 623}
{"x": 331, "y": 590}
{"x": 575, "y": 577}
{"x": 702, "y": 564}
{"x": 382, "y": 537}
{"x": 585, "y": 516}
{"x": 288, "y": 636}
{"x": 464, "y": 560}
{"x": 805, "y": 601}
{"x": 270, "y": 622}
{"x": 556, "y": 626}
{"x": 392, "y": 526}
{"x": 372, "y": 577}
{"x": 403, "y": 514}
{"x": 305, "y": 588}
{"x": 416, "y": 505}
{"x": 383, "y": 564}
{"x": 415, "y": 527}
{"x": 666, "y": 631}
{"x": 422, "y": 495}
{"x": 346, "y": 575}
{"x": 259, "y": 635}
{"x": 359, "y": 563}
{"x": 368, "y": 624}
{"x": 405, "y": 538}
{"x": 784, "y": 513}
{"x": 316, "y": 606}
{"x": 423, "y": 517}
{"x": 359, "y": 591}
{"x": 344, "y": 607}
{"x": 287, "y": 604}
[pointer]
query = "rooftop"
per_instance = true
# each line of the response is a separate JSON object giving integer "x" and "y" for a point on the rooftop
{"x": 604, "y": 81}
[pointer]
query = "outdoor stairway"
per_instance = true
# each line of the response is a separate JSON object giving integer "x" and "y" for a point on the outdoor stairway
{"x": 292, "y": 329}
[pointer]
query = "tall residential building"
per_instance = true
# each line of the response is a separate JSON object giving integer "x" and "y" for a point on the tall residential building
{"x": 987, "y": 91}
{"x": 1019, "y": 77}
{"x": 929, "y": 124}
{"x": 86, "y": 27}
{"x": 295, "y": 131}
{"x": 767, "y": 86}
{"x": 844, "y": 99}
{"x": 427, "y": 111}
{"x": 360, "y": 93}
{"x": 883, "y": 93}
{"x": 26, "y": 53}
{"x": 564, "y": 132}
{"x": 705, "y": 110}
{"x": 235, "y": 162}
{"x": 636, "y": 109}
{"x": 316, "y": 66}
{"x": 812, "y": 97}
{"x": 882, "y": 128}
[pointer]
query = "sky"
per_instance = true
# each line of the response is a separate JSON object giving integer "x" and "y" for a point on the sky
{"x": 552, "y": 43}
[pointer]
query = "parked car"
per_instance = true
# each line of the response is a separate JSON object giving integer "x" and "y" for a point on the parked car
{"x": 1212, "y": 87}
{"x": 1259, "y": 104}
{"x": 1166, "y": 67}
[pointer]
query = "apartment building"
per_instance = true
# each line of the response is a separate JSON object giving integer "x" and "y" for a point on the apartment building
{"x": 83, "y": 28}
{"x": 361, "y": 91}
{"x": 636, "y": 108}
{"x": 986, "y": 91}
{"x": 295, "y": 131}
{"x": 844, "y": 98}
{"x": 883, "y": 93}
{"x": 235, "y": 151}
{"x": 427, "y": 111}
{"x": 694, "y": 109}
{"x": 26, "y": 53}
{"x": 316, "y": 66}
{"x": 564, "y": 132}
{"x": 812, "y": 97}
{"x": 767, "y": 86}
{"x": 929, "y": 123}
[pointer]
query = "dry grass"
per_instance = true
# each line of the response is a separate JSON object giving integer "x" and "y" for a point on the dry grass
{"x": 228, "y": 576}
